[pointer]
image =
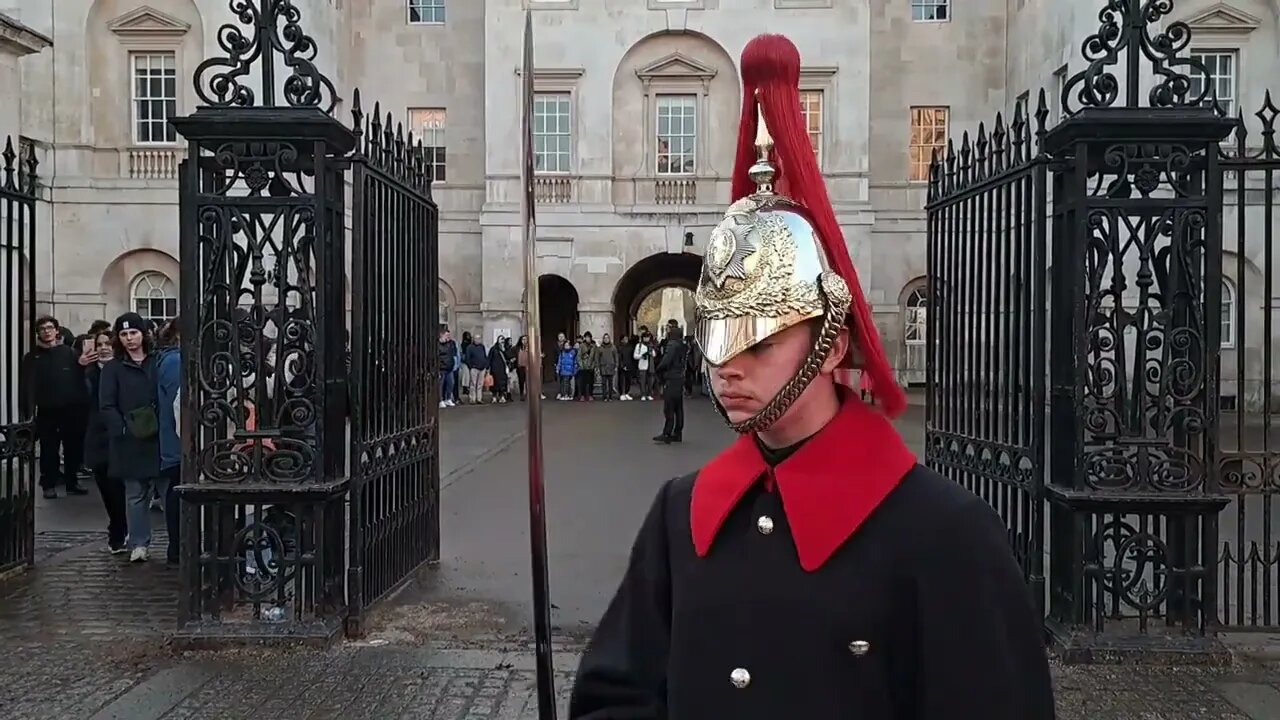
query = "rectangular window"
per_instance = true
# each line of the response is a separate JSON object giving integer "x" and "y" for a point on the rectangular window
{"x": 677, "y": 134}
{"x": 552, "y": 133}
{"x": 426, "y": 12}
{"x": 928, "y": 134}
{"x": 155, "y": 98}
{"x": 428, "y": 124}
{"x": 927, "y": 10}
{"x": 811, "y": 108}
{"x": 1222, "y": 73}
{"x": 1060, "y": 78}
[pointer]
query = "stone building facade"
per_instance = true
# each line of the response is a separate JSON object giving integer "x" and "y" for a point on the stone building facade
{"x": 637, "y": 110}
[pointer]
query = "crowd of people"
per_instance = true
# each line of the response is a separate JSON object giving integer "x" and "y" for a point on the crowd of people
{"x": 105, "y": 405}
{"x": 584, "y": 370}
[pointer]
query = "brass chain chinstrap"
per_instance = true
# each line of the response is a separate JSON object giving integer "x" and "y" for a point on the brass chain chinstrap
{"x": 836, "y": 294}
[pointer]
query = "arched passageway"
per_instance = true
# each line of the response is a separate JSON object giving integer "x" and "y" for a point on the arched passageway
{"x": 644, "y": 279}
{"x": 558, "y": 303}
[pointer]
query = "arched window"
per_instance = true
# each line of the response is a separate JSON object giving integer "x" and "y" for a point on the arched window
{"x": 155, "y": 297}
{"x": 1228, "y": 315}
{"x": 915, "y": 318}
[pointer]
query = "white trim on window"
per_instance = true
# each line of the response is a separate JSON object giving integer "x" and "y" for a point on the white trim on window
{"x": 153, "y": 97}
{"x": 930, "y": 10}
{"x": 553, "y": 133}
{"x": 1224, "y": 72}
{"x": 425, "y": 12}
{"x": 1229, "y": 319}
{"x": 154, "y": 296}
{"x": 676, "y": 135}
{"x": 429, "y": 125}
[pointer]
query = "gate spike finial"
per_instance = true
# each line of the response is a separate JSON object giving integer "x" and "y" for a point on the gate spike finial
{"x": 980, "y": 157}
{"x": 1042, "y": 115}
{"x": 399, "y": 158}
{"x": 357, "y": 115}
{"x": 951, "y": 165}
{"x": 8, "y": 156}
{"x": 999, "y": 143}
{"x": 375, "y": 135}
{"x": 1018, "y": 132}
{"x": 388, "y": 141}
{"x": 965, "y": 156}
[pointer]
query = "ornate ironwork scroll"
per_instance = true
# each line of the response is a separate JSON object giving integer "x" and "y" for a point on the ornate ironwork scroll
{"x": 1133, "y": 31}
{"x": 268, "y": 31}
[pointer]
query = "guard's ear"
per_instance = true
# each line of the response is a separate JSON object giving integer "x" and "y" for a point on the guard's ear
{"x": 840, "y": 347}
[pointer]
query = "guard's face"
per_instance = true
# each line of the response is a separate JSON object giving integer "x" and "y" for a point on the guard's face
{"x": 750, "y": 379}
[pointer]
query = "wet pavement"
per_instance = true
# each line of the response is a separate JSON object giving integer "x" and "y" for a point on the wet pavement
{"x": 86, "y": 633}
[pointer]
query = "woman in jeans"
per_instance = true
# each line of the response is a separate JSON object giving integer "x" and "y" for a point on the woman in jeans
{"x": 128, "y": 400}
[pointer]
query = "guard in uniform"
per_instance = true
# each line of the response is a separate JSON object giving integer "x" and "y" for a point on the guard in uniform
{"x": 814, "y": 570}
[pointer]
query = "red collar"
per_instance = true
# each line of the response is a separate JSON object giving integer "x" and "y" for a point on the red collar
{"x": 829, "y": 486}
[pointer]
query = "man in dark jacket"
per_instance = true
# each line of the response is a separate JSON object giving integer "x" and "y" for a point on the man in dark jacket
{"x": 670, "y": 373}
{"x": 447, "y": 357}
{"x": 53, "y": 388}
{"x": 813, "y": 570}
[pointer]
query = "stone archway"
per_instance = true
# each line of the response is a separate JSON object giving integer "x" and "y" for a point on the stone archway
{"x": 651, "y": 274}
{"x": 558, "y": 303}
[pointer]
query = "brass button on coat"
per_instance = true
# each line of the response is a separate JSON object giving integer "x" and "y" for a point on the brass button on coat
{"x": 740, "y": 678}
{"x": 764, "y": 524}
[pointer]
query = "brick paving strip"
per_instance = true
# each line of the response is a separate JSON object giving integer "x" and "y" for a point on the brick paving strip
{"x": 84, "y": 637}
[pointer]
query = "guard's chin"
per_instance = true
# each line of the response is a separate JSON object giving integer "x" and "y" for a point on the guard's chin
{"x": 736, "y": 415}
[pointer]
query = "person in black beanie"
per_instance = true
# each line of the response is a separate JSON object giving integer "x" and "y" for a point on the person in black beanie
{"x": 128, "y": 400}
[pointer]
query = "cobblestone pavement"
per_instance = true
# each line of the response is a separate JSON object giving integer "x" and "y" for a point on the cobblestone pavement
{"x": 85, "y": 634}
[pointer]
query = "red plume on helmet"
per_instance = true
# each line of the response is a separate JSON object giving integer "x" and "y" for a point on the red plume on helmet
{"x": 771, "y": 78}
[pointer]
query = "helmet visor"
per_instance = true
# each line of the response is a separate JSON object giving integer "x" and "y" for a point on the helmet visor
{"x": 720, "y": 339}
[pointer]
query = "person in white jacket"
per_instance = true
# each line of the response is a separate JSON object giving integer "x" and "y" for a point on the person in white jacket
{"x": 643, "y": 354}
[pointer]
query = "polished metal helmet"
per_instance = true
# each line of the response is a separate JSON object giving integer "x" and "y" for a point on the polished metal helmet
{"x": 766, "y": 270}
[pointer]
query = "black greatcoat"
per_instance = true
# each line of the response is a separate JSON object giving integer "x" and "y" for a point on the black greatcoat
{"x": 750, "y": 595}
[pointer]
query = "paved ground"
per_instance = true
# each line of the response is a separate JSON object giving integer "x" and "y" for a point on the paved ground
{"x": 84, "y": 634}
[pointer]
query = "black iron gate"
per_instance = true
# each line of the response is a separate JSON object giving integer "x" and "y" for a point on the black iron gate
{"x": 284, "y": 534}
{"x": 394, "y": 376}
{"x": 1146, "y": 490}
{"x": 17, "y": 324}
{"x": 985, "y": 383}
{"x": 1249, "y": 460}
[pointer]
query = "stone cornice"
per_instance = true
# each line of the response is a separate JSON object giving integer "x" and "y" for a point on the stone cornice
{"x": 18, "y": 39}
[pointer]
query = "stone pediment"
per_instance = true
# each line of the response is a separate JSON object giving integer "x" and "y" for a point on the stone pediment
{"x": 676, "y": 66}
{"x": 148, "y": 22}
{"x": 1222, "y": 18}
